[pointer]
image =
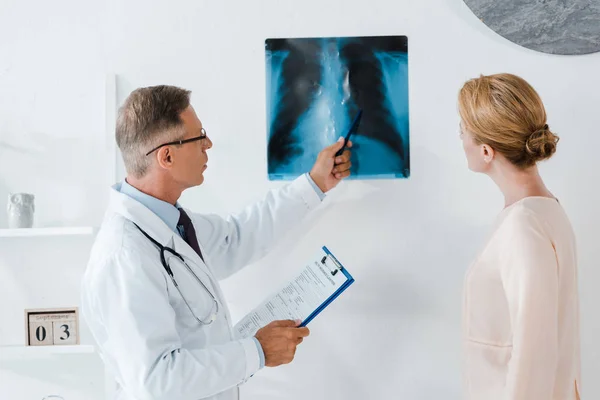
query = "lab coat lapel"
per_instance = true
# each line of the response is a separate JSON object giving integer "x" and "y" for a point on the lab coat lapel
{"x": 186, "y": 250}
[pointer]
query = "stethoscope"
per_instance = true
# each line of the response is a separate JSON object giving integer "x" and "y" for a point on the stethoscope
{"x": 165, "y": 264}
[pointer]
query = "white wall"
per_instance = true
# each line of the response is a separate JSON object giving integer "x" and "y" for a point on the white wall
{"x": 52, "y": 144}
{"x": 396, "y": 332}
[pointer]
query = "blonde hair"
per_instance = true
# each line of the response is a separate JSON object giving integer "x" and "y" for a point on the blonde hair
{"x": 506, "y": 113}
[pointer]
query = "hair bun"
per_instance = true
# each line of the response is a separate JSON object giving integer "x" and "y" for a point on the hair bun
{"x": 541, "y": 144}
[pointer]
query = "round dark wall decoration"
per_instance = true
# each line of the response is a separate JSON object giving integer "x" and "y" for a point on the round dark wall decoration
{"x": 550, "y": 26}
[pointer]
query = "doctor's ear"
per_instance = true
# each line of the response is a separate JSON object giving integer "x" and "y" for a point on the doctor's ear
{"x": 164, "y": 156}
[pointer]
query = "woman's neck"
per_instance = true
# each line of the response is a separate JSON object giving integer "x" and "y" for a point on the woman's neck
{"x": 517, "y": 184}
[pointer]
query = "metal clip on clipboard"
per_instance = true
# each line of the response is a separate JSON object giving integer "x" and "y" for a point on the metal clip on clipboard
{"x": 337, "y": 268}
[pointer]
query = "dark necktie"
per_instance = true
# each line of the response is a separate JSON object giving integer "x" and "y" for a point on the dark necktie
{"x": 189, "y": 233}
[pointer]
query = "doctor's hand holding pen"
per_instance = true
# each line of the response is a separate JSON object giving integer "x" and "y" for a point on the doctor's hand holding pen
{"x": 332, "y": 165}
{"x": 279, "y": 340}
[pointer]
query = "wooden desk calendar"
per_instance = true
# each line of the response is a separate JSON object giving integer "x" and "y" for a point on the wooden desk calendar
{"x": 47, "y": 327}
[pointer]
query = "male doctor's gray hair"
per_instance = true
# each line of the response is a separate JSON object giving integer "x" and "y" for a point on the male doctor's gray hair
{"x": 149, "y": 117}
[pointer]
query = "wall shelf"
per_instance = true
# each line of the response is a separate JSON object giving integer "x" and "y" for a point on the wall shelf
{"x": 18, "y": 352}
{"x": 58, "y": 231}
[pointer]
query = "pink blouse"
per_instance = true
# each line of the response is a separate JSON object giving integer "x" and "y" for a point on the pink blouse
{"x": 521, "y": 308}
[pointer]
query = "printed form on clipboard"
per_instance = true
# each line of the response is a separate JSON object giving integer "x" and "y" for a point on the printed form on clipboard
{"x": 303, "y": 298}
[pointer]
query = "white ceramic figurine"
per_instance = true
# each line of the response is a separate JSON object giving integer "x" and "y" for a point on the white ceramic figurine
{"x": 20, "y": 210}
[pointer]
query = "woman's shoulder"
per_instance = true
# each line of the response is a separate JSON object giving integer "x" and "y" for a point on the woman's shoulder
{"x": 539, "y": 216}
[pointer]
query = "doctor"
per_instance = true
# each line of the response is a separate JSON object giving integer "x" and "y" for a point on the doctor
{"x": 150, "y": 293}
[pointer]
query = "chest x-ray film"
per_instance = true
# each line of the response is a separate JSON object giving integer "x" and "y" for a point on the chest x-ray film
{"x": 315, "y": 89}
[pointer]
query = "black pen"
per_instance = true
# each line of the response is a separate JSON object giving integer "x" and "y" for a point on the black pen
{"x": 352, "y": 130}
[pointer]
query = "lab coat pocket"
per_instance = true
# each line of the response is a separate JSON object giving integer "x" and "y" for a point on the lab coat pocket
{"x": 192, "y": 303}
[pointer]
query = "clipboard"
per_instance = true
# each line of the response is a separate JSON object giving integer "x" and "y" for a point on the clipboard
{"x": 338, "y": 268}
{"x": 302, "y": 298}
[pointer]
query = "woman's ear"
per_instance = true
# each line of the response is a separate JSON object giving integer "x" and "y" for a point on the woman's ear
{"x": 488, "y": 153}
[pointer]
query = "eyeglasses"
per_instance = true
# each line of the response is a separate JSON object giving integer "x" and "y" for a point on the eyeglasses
{"x": 202, "y": 136}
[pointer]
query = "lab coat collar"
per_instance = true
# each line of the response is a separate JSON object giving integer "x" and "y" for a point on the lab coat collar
{"x": 154, "y": 226}
{"x": 136, "y": 212}
{"x": 168, "y": 212}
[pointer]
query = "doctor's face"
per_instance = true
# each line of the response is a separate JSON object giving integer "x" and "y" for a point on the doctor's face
{"x": 191, "y": 157}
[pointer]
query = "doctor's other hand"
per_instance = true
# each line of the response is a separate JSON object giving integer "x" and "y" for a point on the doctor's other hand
{"x": 329, "y": 170}
{"x": 279, "y": 340}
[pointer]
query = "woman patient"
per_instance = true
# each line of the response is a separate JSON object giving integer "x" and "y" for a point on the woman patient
{"x": 521, "y": 309}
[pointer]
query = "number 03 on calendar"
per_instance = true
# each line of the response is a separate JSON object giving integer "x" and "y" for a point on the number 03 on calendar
{"x": 47, "y": 327}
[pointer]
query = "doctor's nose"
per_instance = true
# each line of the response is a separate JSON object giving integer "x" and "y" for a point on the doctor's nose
{"x": 208, "y": 144}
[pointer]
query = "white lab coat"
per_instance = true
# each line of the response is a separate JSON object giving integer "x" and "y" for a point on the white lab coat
{"x": 146, "y": 335}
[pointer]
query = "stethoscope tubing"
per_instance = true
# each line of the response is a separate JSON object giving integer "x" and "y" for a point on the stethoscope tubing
{"x": 165, "y": 264}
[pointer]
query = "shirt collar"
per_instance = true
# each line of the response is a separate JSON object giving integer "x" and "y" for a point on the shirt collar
{"x": 167, "y": 212}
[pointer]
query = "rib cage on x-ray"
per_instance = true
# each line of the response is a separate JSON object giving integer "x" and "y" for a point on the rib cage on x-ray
{"x": 315, "y": 87}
